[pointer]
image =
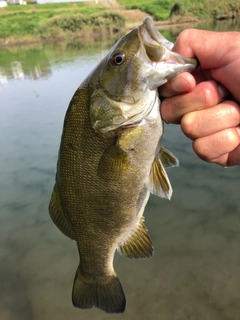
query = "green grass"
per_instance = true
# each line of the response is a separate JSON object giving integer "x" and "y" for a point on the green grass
{"x": 48, "y": 6}
{"x": 160, "y": 9}
{"x": 54, "y": 19}
{"x": 19, "y": 24}
{"x": 70, "y": 24}
{"x": 17, "y": 20}
{"x": 57, "y": 20}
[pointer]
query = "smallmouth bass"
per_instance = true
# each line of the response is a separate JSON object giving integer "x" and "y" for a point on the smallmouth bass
{"x": 111, "y": 159}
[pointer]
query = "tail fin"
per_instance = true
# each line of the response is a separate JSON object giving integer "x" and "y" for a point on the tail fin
{"x": 106, "y": 295}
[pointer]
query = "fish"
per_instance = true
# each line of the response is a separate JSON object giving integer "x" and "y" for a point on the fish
{"x": 111, "y": 159}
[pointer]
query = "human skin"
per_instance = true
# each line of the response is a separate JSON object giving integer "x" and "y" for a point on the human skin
{"x": 206, "y": 102}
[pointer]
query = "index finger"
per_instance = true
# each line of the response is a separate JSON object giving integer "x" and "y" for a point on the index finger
{"x": 205, "y": 95}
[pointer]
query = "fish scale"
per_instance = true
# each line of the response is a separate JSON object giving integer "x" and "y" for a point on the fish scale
{"x": 111, "y": 158}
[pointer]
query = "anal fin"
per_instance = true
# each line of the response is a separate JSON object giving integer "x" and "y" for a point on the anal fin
{"x": 57, "y": 214}
{"x": 138, "y": 245}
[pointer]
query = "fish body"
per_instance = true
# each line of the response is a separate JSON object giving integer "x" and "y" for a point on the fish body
{"x": 111, "y": 159}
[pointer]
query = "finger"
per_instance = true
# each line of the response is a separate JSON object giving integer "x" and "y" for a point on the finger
{"x": 182, "y": 83}
{"x": 187, "y": 45}
{"x": 205, "y": 95}
{"x": 216, "y": 51}
{"x": 205, "y": 122}
{"x": 229, "y": 159}
{"x": 234, "y": 157}
{"x": 217, "y": 147}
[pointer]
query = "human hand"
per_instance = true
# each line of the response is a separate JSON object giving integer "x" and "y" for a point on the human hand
{"x": 206, "y": 103}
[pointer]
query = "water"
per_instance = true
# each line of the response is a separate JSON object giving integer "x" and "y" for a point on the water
{"x": 195, "y": 271}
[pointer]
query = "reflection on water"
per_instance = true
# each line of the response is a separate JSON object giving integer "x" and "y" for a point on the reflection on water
{"x": 194, "y": 274}
{"x": 36, "y": 61}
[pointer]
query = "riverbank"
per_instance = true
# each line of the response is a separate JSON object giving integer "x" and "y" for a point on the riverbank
{"x": 54, "y": 22}
{"x": 33, "y": 23}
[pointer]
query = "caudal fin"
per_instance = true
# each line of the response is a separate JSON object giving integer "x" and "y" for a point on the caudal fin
{"x": 106, "y": 295}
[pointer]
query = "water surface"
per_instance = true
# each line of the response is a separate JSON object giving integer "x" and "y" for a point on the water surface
{"x": 195, "y": 271}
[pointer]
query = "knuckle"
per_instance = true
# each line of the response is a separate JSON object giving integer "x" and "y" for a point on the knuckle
{"x": 233, "y": 110}
{"x": 201, "y": 150}
{"x": 209, "y": 96}
{"x": 232, "y": 139}
{"x": 188, "y": 125}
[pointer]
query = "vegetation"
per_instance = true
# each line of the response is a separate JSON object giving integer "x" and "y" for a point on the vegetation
{"x": 83, "y": 7}
{"x": 160, "y": 9}
{"x": 60, "y": 26}
{"x": 34, "y": 22}
{"x": 31, "y": 23}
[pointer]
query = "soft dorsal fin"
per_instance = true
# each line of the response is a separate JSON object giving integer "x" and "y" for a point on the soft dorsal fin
{"x": 159, "y": 183}
{"x": 57, "y": 214}
{"x": 138, "y": 245}
{"x": 167, "y": 158}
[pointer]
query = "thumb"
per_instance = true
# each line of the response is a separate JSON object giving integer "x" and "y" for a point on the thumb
{"x": 208, "y": 46}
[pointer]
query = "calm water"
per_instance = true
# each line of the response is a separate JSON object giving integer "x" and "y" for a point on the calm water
{"x": 195, "y": 272}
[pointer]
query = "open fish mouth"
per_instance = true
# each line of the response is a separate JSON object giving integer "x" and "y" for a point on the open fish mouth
{"x": 159, "y": 55}
{"x": 151, "y": 35}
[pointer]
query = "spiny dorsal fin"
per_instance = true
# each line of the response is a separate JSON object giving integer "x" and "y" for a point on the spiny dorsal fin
{"x": 159, "y": 183}
{"x": 57, "y": 214}
{"x": 138, "y": 245}
{"x": 167, "y": 158}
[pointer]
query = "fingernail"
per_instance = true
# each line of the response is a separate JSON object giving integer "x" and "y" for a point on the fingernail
{"x": 222, "y": 91}
{"x": 180, "y": 85}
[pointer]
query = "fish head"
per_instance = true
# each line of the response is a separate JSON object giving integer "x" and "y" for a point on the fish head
{"x": 128, "y": 77}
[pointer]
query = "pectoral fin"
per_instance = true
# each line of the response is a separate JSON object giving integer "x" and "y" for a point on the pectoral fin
{"x": 114, "y": 161}
{"x": 57, "y": 214}
{"x": 138, "y": 245}
{"x": 159, "y": 183}
{"x": 167, "y": 158}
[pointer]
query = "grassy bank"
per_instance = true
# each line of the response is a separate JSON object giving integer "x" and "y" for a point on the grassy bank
{"x": 54, "y": 21}
{"x": 33, "y": 23}
{"x": 201, "y": 9}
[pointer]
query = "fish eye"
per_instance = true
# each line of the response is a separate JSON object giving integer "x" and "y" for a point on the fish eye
{"x": 118, "y": 58}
